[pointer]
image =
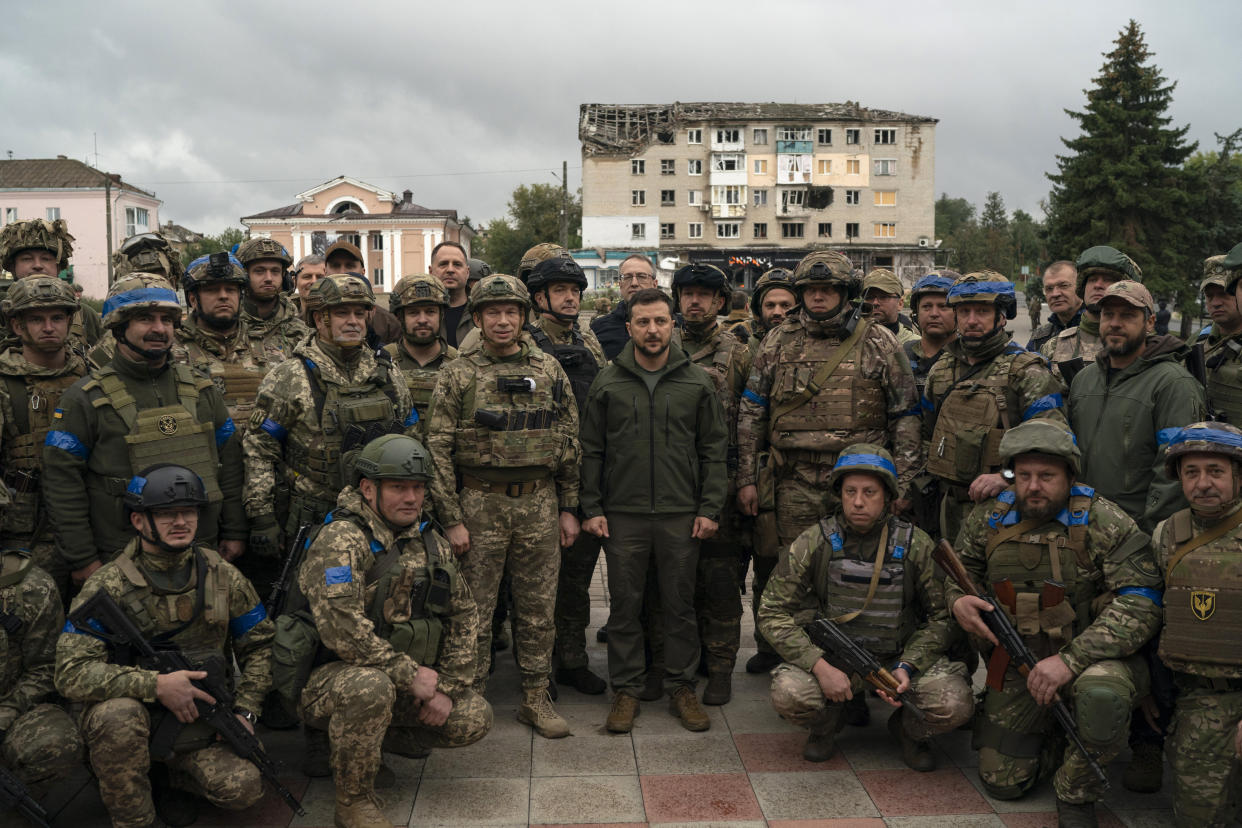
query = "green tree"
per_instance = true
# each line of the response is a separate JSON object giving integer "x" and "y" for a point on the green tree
{"x": 952, "y": 214}
{"x": 534, "y": 217}
{"x": 1216, "y": 178}
{"x": 1122, "y": 182}
{"x": 994, "y": 225}
{"x": 1024, "y": 238}
{"x": 213, "y": 244}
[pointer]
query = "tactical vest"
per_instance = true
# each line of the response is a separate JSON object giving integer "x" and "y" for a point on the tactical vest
{"x": 1054, "y": 551}
{"x": 714, "y": 358}
{"x": 971, "y": 419}
{"x": 883, "y": 624}
{"x": 34, "y": 399}
{"x": 158, "y": 435}
{"x": 845, "y": 402}
{"x": 421, "y": 381}
{"x": 1202, "y": 602}
{"x": 920, "y": 365}
{"x": 1075, "y": 342}
{"x": 509, "y": 415}
{"x": 239, "y": 385}
{"x": 14, "y": 565}
{"x": 1224, "y": 386}
{"x": 575, "y": 357}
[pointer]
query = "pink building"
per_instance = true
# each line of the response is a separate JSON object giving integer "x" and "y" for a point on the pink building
{"x": 395, "y": 235}
{"x": 100, "y": 209}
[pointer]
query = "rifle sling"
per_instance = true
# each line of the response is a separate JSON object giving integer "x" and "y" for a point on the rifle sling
{"x": 875, "y": 579}
{"x": 821, "y": 376}
{"x": 1010, "y": 532}
{"x": 1201, "y": 539}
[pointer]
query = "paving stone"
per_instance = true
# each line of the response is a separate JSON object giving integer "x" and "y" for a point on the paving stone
{"x": 910, "y": 793}
{"x": 463, "y": 802}
{"x": 724, "y": 797}
{"x": 586, "y": 799}
{"x": 677, "y": 754}
{"x": 811, "y": 795}
{"x": 583, "y": 756}
{"x": 775, "y": 752}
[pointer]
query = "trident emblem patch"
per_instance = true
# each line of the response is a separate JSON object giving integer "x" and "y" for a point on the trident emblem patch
{"x": 1202, "y": 603}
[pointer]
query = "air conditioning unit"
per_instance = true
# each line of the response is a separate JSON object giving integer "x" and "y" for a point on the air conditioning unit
{"x": 924, "y": 241}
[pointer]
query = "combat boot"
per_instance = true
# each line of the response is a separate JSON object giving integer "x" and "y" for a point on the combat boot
{"x": 1145, "y": 773}
{"x": 537, "y": 711}
{"x": 917, "y": 755}
{"x": 362, "y": 811}
{"x": 820, "y": 747}
{"x": 317, "y": 761}
{"x": 621, "y": 716}
{"x": 685, "y": 706}
{"x": 173, "y": 806}
{"x": 581, "y": 679}
{"x": 762, "y": 662}
{"x": 719, "y": 688}
{"x": 1076, "y": 816}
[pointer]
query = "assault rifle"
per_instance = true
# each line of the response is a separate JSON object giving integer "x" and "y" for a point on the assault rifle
{"x": 828, "y": 637}
{"x": 1001, "y": 626}
{"x": 13, "y": 794}
{"x": 293, "y": 561}
{"x": 101, "y": 617}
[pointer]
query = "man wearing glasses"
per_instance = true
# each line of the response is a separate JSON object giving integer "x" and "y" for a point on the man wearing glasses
{"x": 637, "y": 273}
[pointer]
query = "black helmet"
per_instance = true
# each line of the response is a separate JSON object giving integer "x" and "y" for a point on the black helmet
{"x": 777, "y": 277}
{"x": 555, "y": 270}
{"x": 700, "y": 275}
{"x": 162, "y": 486}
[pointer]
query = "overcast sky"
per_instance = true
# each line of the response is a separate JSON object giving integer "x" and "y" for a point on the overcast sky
{"x": 225, "y": 109}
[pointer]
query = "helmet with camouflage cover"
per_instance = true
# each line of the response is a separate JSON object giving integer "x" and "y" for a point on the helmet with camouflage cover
{"x": 826, "y": 267}
{"x": 865, "y": 457}
{"x": 38, "y": 293}
{"x": 214, "y": 267}
{"x": 702, "y": 275}
{"x": 938, "y": 281}
{"x": 148, "y": 253}
{"x": 1106, "y": 260}
{"x": 777, "y": 277}
{"x": 35, "y": 234}
{"x": 478, "y": 269}
{"x": 254, "y": 250}
{"x": 393, "y": 457}
{"x": 498, "y": 287}
{"x": 987, "y": 287}
{"x": 339, "y": 289}
{"x": 417, "y": 289}
{"x": 1042, "y": 437}
{"x": 1233, "y": 264}
{"x": 537, "y": 254}
{"x": 138, "y": 292}
{"x": 1202, "y": 438}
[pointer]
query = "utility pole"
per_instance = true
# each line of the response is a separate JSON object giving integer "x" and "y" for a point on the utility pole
{"x": 565, "y": 204}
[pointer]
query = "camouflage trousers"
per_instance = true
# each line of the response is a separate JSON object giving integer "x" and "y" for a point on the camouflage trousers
{"x": 359, "y": 705}
{"x": 1019, "y": 742}
{"x": 117, "y": 733}
{"x": 1207, "y": 773}
{"x": 41, "y": 745}
{"x": 718, "y": 595}
{"x": 573, "y": 599}
{"x": 520, "y": 536}
{"x": 941, "y": 692}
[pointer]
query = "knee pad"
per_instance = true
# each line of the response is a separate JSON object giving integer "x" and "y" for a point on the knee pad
{"x": 1102, "y": 713}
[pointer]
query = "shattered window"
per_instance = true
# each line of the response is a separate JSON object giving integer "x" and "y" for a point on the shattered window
{"x": 727, "y": 162}
{"x": 728, "y": 136}
{"x": 825, "y": 229}
{"x": 793, "y": 134}
{"x": 668, "y": 166}
{"x": 759, "y": 136}
{"x": 694, "y": 166}
{"x": 853, "y": 136}
{"x": 694, "y": 136}
{"x": 666, "y": 230}
{"x": 823, "y": 136}
{"x": 728, "y": 230}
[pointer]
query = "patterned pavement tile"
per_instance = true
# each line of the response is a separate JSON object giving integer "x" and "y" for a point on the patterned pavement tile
{"x": 702, "y": 797}
{"x": 583, "y": 756}
{"x": 811, "y": 795}
{"x": 910, "y": 793}
{"x": 774, "y": 752}
{"x": 586, "y": 799}
{"x": 465, "y": 802}
{"x": 678, "y": 754}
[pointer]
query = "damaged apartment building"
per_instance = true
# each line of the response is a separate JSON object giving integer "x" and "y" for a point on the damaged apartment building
{"x": 750, "y": 186}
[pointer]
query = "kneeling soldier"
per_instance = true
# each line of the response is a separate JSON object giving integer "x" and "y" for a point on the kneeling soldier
{"x": 390, "y": 605}
{"x": 871, "y": 574}
{"x": 180, "y": 593}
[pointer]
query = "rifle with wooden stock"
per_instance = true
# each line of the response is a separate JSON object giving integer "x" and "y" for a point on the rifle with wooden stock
{"x": 857, "y": 659}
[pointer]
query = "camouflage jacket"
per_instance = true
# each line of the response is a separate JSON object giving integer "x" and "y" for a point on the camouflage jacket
{"x": 1223, "y": 358}
{"x": 333, "y": 580}
{"x": 1082, "y": 340}
{"x": 420, "y": 379}
{"x": 1122, "y": 568}
{"x": 881, "y": 360}
{"x": 726, "y": 359}
{"x": 452, "y": 427}
{"x": 793, "y": 587}
{"x": 281, "y": 331}
{"x": 239, "y": 628}
{"x": 27, "y": 658}
{"x": 286, "y": 411}
{"x": 209, "y": 352}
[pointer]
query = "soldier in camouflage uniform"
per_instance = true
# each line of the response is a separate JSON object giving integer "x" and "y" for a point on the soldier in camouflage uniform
{"x": 929, "y": 306}
{"x": 504, "y": 423}
{"x": 1200, "y": 552}
{"x": 267, "y": 312}
{"x": 1073, "y": 348}
{"x": 33, "y": 376}
{"x": 418, "y": 302}
{"x": 148, "y": 253}
{"x": 333, "y": 397}
{"x": 889, "y": 601}
{"x": 770, "y": 302}
{"x": 470, "y": 339}
{"x": 1222, "y": 340}
{"x": 39, "y": 741}
{"x": 390, "y": 605}
{"x": 38, "y": 247}
{"x": 822, "y": 380}
{"x": 700, "y": 293}
{"x": 1077, "y": 576}
{"x": 982, "y": 386}
{"x": 160, "y": 582}
{"x": 882, "y": 291}
{"x": 138, "y": 409}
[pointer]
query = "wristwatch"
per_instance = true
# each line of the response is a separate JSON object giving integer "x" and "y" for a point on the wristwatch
{"x": 248, "y": 716}
{"x": 1007, "y": 474}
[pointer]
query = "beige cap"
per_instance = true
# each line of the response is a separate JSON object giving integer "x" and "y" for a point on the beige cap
{"x": 1215, "y": 273}
{"x": 883, "y": 280}
{"x": 1131, "y": 292}
{"x": 342, "y": 246}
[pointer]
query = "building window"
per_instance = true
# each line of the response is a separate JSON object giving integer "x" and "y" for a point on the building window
{"x": 823, "y": 136}
{"x": 761, "y": 166}
{"x": 885, "y": 198}
{"x": 666, "y": 230}
{"x": 885, "y": 136}
{"x": 694, "y": 136}
{"x": 728, "y": 136}
{"x": 792, "y": 230}
{"x": 728, "y": 230}
{"x": 727, "y": 162}
{"x": 853, "y": 136}
{"x": 665, "y": 137}
{"x": 761, "y": 230}
{"x": 638, "y": 198}
{"x": 53, "y": 213}
{"x": 10, "y": 215}
{"x": 668, "y": 198}
{"x": 694, "y": 166}
{"x": 668, "y": 166}
{"x": 851, "y": 230}
{"x": 759, "y": 136}
{"x": 136, "y": 220}
{"x": 793, "y": 134}
{"x": 885, "y": 230}
{"x": 823, "y": 166}
{"x": 638, "y": 166}
{"x": 853, "y": 197}
{"x": 694, "y": 198}
{"x": 792, "y": 198}
{"x": 377, "y": 241}
{"x": 885, "y": 166}
{"x": 727, "y": 194}
{"x": 377, "y": 274}
{"x": 761, "y": 198}
{"x": 825, "y": 229}
{"x": 694, "y": 230}
{"x": 853, "y": 166}
{"x": 638, "y": 230}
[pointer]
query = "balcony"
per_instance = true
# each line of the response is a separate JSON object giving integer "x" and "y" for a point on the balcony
{"x": 794, "y": 147}
{"x": 722, "y": 178}
{"x": 728, "y": 211}
{"x": 726, "y": 145}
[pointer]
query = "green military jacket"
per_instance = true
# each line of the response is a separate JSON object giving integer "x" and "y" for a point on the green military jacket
{"x": 282, "y": 330}
{"x": 27, "y": 657}
{"x": 1223, "y": 356}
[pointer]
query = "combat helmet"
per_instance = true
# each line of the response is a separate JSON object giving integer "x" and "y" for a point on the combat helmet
{"x": 498, "y": 287}
{"x": 865, "y": 457}
{"x": 339, "y": 289}
{"x": 1107, "y": 260}
{"x": 148, "y": 253}
{"x": 35, "y": 234}
{"x": 1203, "y": 438}
{"x": 138, "y": 292}
{"x": 1233, "y": 263}
{"x": 36, "y": 293}
{"x": 253, "y": 250}
{"x": 938, "y": 281}
{"x": 987, "y": 287}
{"x": 162, "y": 486}
{"x": 1041, "y": 437}
{"x": 417, "y": 289}
{"x": 700, "y": 275}
{"x": 777, "y": 277}
{"x": 478, "y": 269}
{"x": 214, "y": 267}
{"x": 826, "y": 267}
{"x": 393, "y": 457}
{"x": 537, "y": 254}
